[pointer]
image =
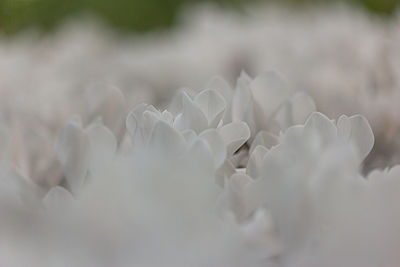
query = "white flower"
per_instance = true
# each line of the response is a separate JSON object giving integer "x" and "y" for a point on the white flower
{"x": 267, "y": 103}
{"x": 205, "y": 111}
{"x": 320, "y": 204}
{"x": 194, "y": 185}
{"x": 204, "y": 116}
{"x": 317, "y": 50}
{"x": 161, "y": 191}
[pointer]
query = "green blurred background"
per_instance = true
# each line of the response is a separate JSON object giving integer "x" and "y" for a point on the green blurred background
{"x": 131, "y": 15}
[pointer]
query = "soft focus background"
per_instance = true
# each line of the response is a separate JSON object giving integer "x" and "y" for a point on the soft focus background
{"x": 133, "y": 15}
{"x": 60, "y": 57}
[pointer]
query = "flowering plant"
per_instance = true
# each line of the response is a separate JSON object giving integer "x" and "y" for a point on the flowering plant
{"x": 251, "y": 176}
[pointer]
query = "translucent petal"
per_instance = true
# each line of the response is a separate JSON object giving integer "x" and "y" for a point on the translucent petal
{"x": 193, "y": 116}
{"x": 140, "y": 122}
{"x": 221, "y": 86}
{"x": 212, "y": 104}
{"x": 321, "y": 125}
{"x": 356, "y": 129}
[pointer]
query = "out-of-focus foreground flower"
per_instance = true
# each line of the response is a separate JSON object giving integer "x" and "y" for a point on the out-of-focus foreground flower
{"x": 250, "y": 176}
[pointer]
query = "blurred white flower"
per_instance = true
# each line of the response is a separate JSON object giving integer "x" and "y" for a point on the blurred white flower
{"x": 325, "y": 212}
{"x": 160, "y": 191}
{"x": 317, "y": 49}
{"x": 250, "y": 176}
{"x": 268, "y": 103}
{"x": 174, "y": 193}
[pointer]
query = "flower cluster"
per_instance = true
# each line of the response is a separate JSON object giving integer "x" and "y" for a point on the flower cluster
{"x": 43, "y": 79}
{"x": 250, "y": 176}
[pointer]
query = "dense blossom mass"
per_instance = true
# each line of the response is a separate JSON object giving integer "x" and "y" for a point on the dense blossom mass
{"x": 106, "y": 161}
{"x": 244, "y": 176}
{"x": 348, "y": 61}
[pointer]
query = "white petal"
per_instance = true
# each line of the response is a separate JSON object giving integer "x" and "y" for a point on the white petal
{"x": 224, "y": 173}
{"x": 356, "y": 129}
{"x": 101, "y": 138}
{"x": 265, "y": 139}
{"x": 295, "y": 111}
{"x": 107, "y": 102}
{"x": 284, "y": 116}
{"x": 239, "y": 181}
{"x": 200, "y": 153}
{"x": 131, "y": 123}
{"x": 243, "y": 106}
{"x": 167, "y": 116}
{"x": 179, "y": 123}
{"x": 244, "y": 79}
{"x": 234, "y": 134}
{"x": 241, "y": 103}
{"x": 222, "y": 87}
{"x": 234, "y": 197}
{"x": 176, "y": 104}
{"x": 240, "y": 158}
{"x": 72, "y": 150}
{"x": 150, "y": 118}
{"x": 255, "y": 161}
{"x": 134, "y": 120}
{"x": 140, "y": 122}
{"x": 216, "y": 144}
{"x": 165, "y": 140}
{"x": 321, "y": 125}
{"x": 189, "y": 135}
{"x": 302, "y": 106}
{"x": 193, "y": 117}
{"x": 269, "y": 91}
{"x": 212, "y": 104}
{"x": 103, "y": 146}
